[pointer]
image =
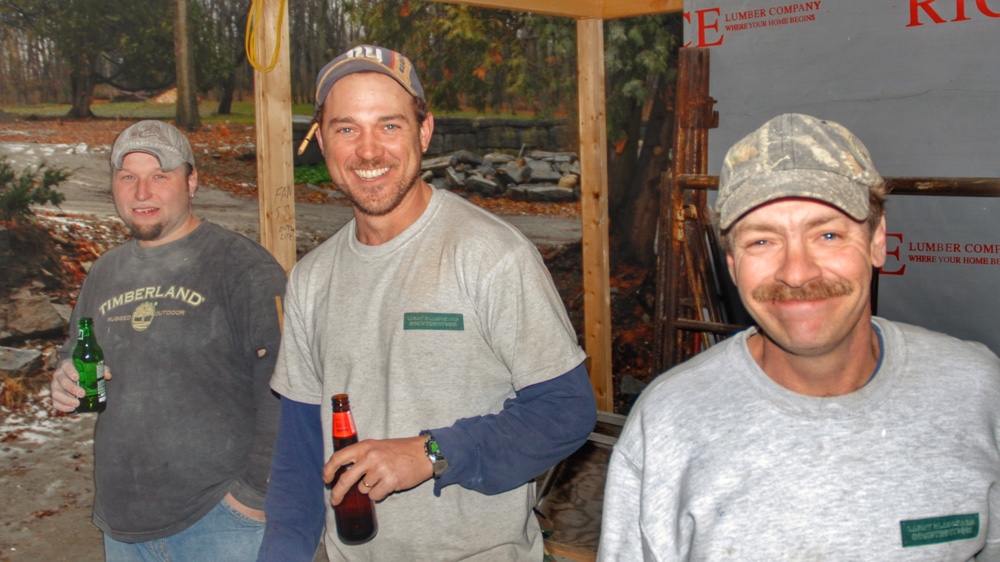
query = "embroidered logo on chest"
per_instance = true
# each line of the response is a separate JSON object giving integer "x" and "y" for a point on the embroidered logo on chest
{"x": 921, "y": 532}
{"x": 433, "y": 321}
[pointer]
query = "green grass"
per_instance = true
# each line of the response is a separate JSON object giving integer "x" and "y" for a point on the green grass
{"x": 242, "y": 111}
{"x": 316, "y": 174}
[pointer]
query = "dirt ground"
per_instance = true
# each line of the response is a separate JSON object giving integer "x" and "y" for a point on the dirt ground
{"x": 46, "y": 462}
{"x": 47, "y": 478}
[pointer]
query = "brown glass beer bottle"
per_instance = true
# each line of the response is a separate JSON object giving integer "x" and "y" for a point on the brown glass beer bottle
{"x": 89, "y": 362}
{"x": 355, "y": 515}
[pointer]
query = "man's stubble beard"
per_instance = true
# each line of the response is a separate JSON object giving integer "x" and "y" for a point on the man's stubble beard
{"x": 402, "y": 188}
{"x": 144, "y": 234}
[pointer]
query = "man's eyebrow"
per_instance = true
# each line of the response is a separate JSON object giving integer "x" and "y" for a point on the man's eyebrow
{"x": 743, "y": 227}
{"x": 339, "y": 120}
{"x": 347, "y": 119}
{"x": 393, "y": 117}
{"x": 820, "y": 221}
{"x": 760, "y": 226}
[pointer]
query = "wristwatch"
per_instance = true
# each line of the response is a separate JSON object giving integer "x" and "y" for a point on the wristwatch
{"x": 433, "y": 452}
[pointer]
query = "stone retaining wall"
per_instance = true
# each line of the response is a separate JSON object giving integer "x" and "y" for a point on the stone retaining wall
{"x": 492, "y": 134}
{"x": 479, "y": 134}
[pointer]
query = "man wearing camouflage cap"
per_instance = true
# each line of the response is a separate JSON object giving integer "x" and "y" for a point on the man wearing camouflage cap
{"x": 186, "y": 314}
{"x": 822, "y": 432}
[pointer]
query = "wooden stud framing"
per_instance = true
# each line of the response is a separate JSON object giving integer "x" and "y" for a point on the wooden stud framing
{"x": 594, "y": 208}
{"x": 272, "y": 107}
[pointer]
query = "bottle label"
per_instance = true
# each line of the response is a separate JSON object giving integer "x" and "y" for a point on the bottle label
{"x": 102, "y": 395}
{"x": 343, "y": 424}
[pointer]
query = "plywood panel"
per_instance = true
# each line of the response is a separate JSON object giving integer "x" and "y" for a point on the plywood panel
{"x": 611, "y": 9}
{"x": 571, "y": 510}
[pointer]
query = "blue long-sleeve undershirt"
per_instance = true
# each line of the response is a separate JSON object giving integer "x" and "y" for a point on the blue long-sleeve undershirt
{"x": 294, "y": 505}
{"x": 543, "y": 424}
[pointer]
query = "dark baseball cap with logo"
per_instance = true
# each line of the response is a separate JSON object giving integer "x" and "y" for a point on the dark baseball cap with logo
{"x": 795, "y": 155}
{"x": 368, "y": 58}
{"x": 162, "y": 140}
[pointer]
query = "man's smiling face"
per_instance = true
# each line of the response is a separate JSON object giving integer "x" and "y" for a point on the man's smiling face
{"x": 372, "y": 142}
{"x": 803, "y": 270}
{"x": 154, "y": 204}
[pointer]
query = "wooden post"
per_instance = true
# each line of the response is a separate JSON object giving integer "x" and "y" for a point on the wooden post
{"x": 594, "y": 208}
{"x": 273, "y": 101}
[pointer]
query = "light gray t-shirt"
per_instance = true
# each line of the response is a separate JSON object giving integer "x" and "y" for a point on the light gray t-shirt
{"x": 445, "y": 321}
{"x": 719, "y": 462}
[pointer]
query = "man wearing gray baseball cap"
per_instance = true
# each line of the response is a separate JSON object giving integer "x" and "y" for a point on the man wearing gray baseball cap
{"x": 186, "y": 314}
{"x": 822, "y": 432}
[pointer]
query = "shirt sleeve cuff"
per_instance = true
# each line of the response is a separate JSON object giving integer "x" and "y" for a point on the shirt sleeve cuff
{"x": 459, "y": 449}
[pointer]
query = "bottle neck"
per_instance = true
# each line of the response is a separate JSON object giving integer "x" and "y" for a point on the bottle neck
{"x": 343, "y": 425}
{"x": 85, "y": 329}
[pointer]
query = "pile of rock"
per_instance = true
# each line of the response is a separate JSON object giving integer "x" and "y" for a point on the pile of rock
{"x": 538, "y": 176}
{"x": 28, "y": 316}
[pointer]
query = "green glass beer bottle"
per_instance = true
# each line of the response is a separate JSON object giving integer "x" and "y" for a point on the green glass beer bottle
{"x": 89, "y": 362}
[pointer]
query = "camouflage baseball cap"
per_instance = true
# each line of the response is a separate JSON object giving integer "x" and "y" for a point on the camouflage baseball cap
{"x": 162, "y": 140}
{"x": 368, "y": 58}
{"x": 796, "y": 155}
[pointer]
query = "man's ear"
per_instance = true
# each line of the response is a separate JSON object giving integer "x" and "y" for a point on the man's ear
{"x": 192, "y": 183}
{"x": 319, "y": 139}
{"x": 731, "y": 264}
{"x": 878, "y": 244}
{"x": 426, "y": 130}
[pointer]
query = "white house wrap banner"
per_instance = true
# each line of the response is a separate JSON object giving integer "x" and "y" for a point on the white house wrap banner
{"x": 919, "y": 82}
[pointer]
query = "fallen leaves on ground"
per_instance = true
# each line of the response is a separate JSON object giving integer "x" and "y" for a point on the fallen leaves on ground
{"x": 227, "y": 160}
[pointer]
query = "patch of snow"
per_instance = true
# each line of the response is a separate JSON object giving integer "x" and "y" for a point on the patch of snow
{"x": 35, "y": 425}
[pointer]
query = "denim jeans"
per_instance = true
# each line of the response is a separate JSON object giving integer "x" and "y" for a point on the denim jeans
{"x": 222, "y": 535}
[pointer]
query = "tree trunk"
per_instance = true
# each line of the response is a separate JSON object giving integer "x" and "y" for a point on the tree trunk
{"x": 226, "y": 99}
{"x": 82, "y": 82}
{"x": 633, "y": 225}
{"x": 187, "y": 99}
{"x": 622, "y": 161}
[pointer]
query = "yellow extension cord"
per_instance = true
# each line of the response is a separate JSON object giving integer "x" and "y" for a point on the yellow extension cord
{"x": 250, "y": 39}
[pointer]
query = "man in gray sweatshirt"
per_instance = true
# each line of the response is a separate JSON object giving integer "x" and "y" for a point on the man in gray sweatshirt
{"x": 821, "y": 433}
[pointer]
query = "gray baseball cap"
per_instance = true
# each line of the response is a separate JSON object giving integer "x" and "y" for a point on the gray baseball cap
{"x": 796, "y": 155}
{"x": 368, "y": 58}
{"x": 162, "y": 140}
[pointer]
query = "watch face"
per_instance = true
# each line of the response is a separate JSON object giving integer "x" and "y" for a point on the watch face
{"x": 433, "y": 451}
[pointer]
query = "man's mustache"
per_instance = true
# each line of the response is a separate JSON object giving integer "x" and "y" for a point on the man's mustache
{"x": 812, "y": 291}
